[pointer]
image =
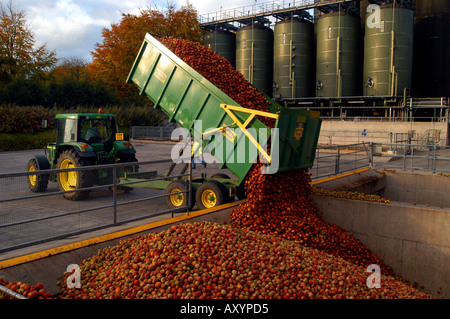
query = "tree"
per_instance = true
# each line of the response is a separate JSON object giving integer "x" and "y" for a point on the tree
{"x": 18, "y": 57}
{"x": 73, "y": 68}
{"x": 113, "y": 58}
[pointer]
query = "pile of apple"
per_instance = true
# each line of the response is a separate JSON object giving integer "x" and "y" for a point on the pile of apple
{"x": 279, "y": 204}
{"x": 210, "y": 260}
{"x": 219, "y": 72}
{"x": 28, "y": 291}
{"x": 349, "y": 195}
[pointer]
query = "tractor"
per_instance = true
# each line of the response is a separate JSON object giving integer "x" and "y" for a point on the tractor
{"x": 88, "y": 139}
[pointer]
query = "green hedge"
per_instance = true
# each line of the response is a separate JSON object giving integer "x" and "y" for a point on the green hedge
{"x": 22, "y": 141}
{"x": 21, "y": 126}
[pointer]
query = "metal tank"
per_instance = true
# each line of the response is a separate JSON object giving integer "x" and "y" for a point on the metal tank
{"x": 254, "y": 56}
{"x": 431, "y": 66}
{"x": 426, "y": 8}
{"x": 338, "y": 55}
{"x": 223, "y": 43}
{"x": 388, "y": 51}
{"x": 293, "y": 64}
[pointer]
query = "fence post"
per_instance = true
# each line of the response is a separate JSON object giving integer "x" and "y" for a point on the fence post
{"x": 433, "y": 159}
{"x": 371, "y": 155}
{"x": 115, "y": 194}
{"x": 404, "y": 157}
{"x": 189, "y": 181}
{"x": 338, "y": 156}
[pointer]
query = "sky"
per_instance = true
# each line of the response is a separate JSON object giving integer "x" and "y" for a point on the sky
{"x": 71, "y": 28}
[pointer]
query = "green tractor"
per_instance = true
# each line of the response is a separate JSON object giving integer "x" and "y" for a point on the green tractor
{"x": 82, "y": 140}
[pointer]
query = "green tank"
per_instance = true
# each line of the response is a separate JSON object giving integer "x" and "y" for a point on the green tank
{"x": 254, "y": 56}
{"x": 426, "y": 8}
{"x": 223, "y": 43}
{"x": 388, "y": 51}
{"x": 431, "y": 65}
{"x": 338, "y": 55}
{"x": 293, "y": 64}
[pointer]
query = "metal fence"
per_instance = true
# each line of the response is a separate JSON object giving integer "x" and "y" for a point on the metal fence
{"x": 28, "y": 218}
{"x": 158, "y": 132}
{"x": 337, "y": 159}
{"x": 406, "y": 156}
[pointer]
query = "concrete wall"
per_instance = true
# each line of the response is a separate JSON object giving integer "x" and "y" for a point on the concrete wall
{"x": 351, "y": 132}
{"x": 413, "y": 240}
{"x": 425, "y": 189}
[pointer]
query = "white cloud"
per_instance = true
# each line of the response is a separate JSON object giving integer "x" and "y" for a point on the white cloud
{"x": 73, "y": 27}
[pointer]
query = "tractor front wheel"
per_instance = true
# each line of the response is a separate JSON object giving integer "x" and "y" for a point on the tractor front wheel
{"x": 38, "y": 182}
{"x": 74, "y": 180}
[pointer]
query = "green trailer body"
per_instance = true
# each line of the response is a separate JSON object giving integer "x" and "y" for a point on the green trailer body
{"x": 186, "y": 97}
{"x": 231, "y": 133}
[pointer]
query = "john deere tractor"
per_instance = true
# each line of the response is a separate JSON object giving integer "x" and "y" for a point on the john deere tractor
{"x": 81, "y": 140}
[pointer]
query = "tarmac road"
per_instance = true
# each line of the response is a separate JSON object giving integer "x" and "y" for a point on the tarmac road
{"x": 16, "y": 212}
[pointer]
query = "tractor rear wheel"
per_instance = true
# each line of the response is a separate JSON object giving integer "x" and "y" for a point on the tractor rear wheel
{"x": 36, "y": 183}
{"x": 74, "y": 180}
{"x": 211, "y": 194}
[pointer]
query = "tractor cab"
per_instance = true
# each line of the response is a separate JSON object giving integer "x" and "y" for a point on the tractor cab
{"x": 91, "y": 129}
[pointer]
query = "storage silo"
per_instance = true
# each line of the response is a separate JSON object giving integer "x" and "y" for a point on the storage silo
{"x": 388, "y": 50}
{"x": 431, "y": 67}
{"x": 338, "y": 55}
{"x": 293, "y": 64}
{"x": 223, "y": 43}
{"x": 254, "y": 55}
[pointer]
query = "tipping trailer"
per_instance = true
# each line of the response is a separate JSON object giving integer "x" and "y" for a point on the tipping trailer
{"x": 231, "y": 133}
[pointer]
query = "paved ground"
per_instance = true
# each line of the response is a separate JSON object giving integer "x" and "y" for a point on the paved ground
{"x": 100, "y": 201}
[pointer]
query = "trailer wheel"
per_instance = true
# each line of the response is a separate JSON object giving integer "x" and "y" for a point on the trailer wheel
{"x": 70, "y": 181}
{"x": 36, "y": 183}
{"x": 211, "y": 194}
{"x": 178, "y": 200}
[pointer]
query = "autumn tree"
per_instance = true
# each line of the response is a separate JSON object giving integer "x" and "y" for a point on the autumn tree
{"x": 113, "y": 58}
{"x": 18, "y": 55}
{"x": 74, "y": 67}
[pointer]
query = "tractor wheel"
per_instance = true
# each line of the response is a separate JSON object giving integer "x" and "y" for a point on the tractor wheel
{"x": 178, "y": 200}
{"x": 211, "y": 194}
{"x": 36, "y": 183}
{"x": 70, "y": 181}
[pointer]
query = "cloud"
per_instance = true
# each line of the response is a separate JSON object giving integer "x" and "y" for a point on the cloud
{"x": 73, "y": 27}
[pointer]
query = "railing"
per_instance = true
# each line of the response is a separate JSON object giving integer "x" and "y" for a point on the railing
{"x": 337, "y": 159}
{"x": 158, "y": 132}
{"x": 28, "y": 218}
{"x": 406, "y": 156}
{"x": 253, "y": 9}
